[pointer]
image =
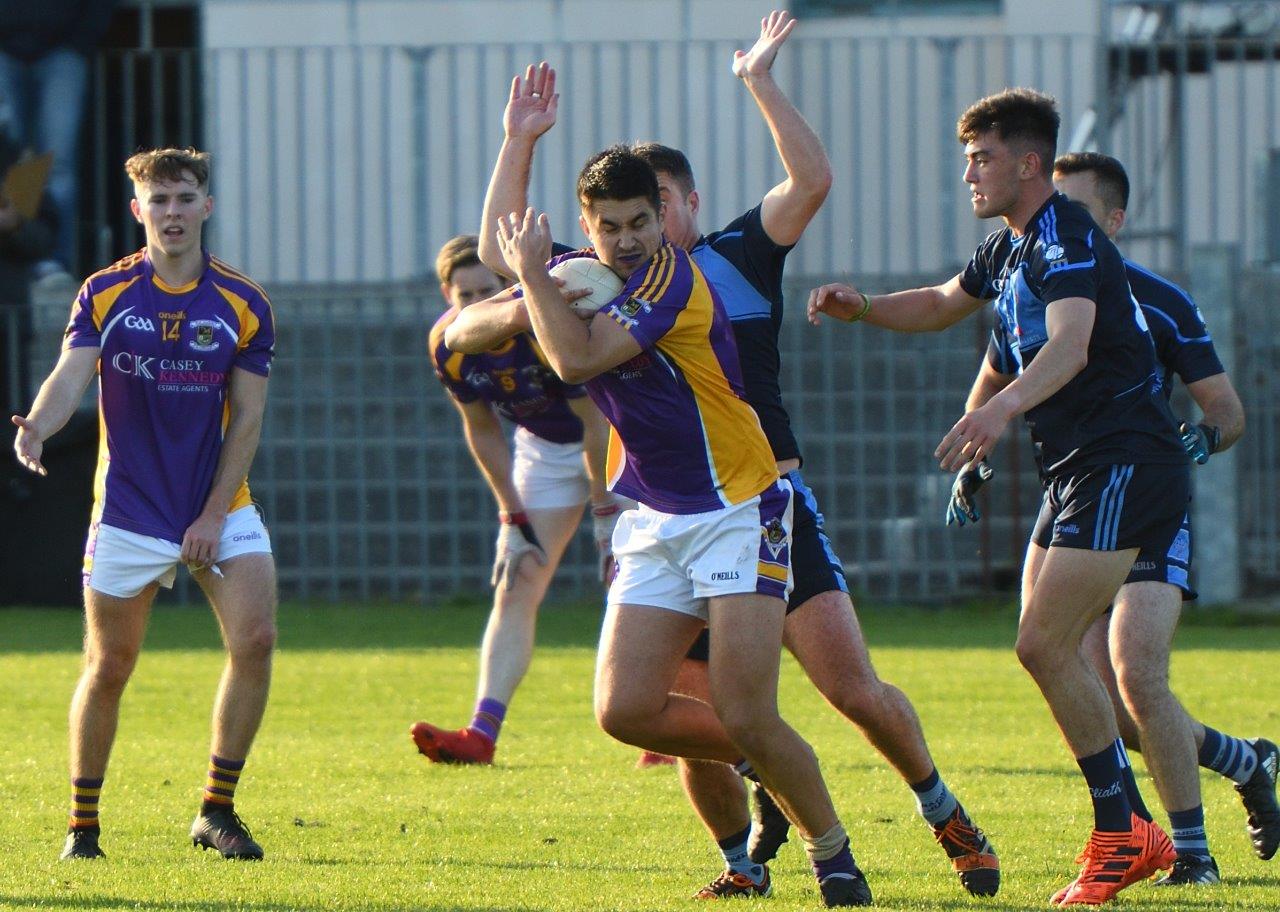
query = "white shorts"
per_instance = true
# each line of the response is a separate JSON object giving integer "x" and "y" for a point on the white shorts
{"x": 548, "y": 475}
{"x": 678, "y": 561}
{"x": 120, "y": 563}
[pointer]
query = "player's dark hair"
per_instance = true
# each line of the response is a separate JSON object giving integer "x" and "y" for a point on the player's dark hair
{"x": 1113, "y": 182}
{"x": 666, "y": 160}
{"x": 168, "y": 165}
{"x": 1022, "y": 117}
{"x": 617, "y": 173}
{"x": 457, "y": 253}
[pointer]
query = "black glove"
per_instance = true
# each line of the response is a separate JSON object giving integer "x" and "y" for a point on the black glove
{"x": 1200, "y": 440}
{"x": 968, "y": 480}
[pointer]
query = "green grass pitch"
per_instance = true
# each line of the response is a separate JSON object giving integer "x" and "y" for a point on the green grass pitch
{"x": 352, "y": 818}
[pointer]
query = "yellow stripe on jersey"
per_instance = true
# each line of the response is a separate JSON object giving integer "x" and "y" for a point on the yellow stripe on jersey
{"x": 232, "y": 273}
{"x": 615, "y": 459}
{"x": 742, "y": 463}
{"x": 659, "y": 276}
{"x": 247, "y": 318}
{"x": 772, "y": 571}
{"x": 104, "y": 299}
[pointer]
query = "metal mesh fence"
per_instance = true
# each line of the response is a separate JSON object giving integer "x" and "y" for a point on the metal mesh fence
{"x": 370, "y": 491}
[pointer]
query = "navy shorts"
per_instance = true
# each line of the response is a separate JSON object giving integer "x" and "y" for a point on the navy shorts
{"x": 1116, "y": 507}
{"x": 815, "y": 568}
{"x": 1169, "y": 566}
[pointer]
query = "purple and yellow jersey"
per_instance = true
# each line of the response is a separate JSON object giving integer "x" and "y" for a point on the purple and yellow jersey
{"x": 515, "y": 379}
{"x": 684, "y": 438}
{"x": 163, "y": 372}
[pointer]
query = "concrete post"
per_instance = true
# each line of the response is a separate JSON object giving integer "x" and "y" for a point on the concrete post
{"x": 1215, "y": 510}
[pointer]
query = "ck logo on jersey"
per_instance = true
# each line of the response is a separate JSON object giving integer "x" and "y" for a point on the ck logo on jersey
{"x": 203, "y": 340}
{"x": 132, "y": 322}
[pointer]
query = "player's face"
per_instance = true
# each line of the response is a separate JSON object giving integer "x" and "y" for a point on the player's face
{"x": 625, "y": 233}
{"x": 470, "y": 284}
{"x": 679, "y": 212}
{"x": 172, "y": 213}
{"x": 991, "y": 171}
{"x": 1082, "y": 188}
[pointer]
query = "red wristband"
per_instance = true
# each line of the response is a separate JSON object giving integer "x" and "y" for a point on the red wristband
{"x": 512, "y": 519}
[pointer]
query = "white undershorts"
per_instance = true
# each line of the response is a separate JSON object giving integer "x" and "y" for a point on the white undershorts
{"x": 120, "y": 563}
{"x": 678, "y": 561}
{"x": 548, "y": 475}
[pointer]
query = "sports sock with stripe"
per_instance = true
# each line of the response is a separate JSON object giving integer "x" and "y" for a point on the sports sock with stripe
{"x": 220, "y": 786}
{"x": 84, "y": 804}
{"x": 1131, "y": 786}
{"x": 934, "y": 800}
{"x": 487, "y": 720}
{"x": 734, "y": 850}
{"x": 1187, "y": 830}
{"x": 1234, "y": 758}
{"x": 1111, "y": 811}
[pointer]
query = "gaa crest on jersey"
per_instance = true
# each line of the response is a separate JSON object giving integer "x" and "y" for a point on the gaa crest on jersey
{"x": 202, "y": 335}
{"x": 632, "y": 306}
{"x": 775, "y": 536}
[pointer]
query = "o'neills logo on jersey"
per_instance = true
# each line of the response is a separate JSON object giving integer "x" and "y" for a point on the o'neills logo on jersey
{"x": 203, "y": 331}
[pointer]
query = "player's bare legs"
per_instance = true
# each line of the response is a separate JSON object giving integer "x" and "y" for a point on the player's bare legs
{"x": 244, "y": 601}
{"x": 507, "y": 647}
{"x": 1142, "y": 626}
{"x": 1064, "y": 590}
{"x": 243, "y": 598}
{"x": 1070, "y": 589}
{"x": 641, "y": 649}
{"x": 1097, "y": 649}
{"x": 825, "y": 638}
{"x": 114, "y": 630}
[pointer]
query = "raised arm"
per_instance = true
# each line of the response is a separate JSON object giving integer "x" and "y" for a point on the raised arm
{"x": 788, "y": 207}
{"x": 55, "y": 403}
{"x": 247, "y": 399}
{"x": 917, "y": 310}
{"x": 530, "y": 112}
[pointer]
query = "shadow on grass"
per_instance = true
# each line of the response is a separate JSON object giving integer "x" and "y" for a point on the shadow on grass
{"x": 459, "y": 623}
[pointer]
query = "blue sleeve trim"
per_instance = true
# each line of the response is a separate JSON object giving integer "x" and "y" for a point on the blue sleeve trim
{"x": 1067, "y": 267}
{"x": 1185, "y": 340}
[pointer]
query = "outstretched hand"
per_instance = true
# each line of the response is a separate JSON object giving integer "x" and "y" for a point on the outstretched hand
{"x": 28, "y": 445}
{"x": 525, "y": 241}
{"x": 842, "y": 302}
{"x": 774, "y": 30}
{"x": 531, "y": 109}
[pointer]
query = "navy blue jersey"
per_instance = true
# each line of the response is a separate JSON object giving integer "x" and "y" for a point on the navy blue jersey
{"x": 744, "y": 266}
{"x": 1112, "y": 411}
{"x": 1183, "y": 344}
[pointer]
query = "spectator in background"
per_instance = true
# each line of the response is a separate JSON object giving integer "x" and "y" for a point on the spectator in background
{"x": 23, "y": 242}
{"x": 44, "y": 69}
